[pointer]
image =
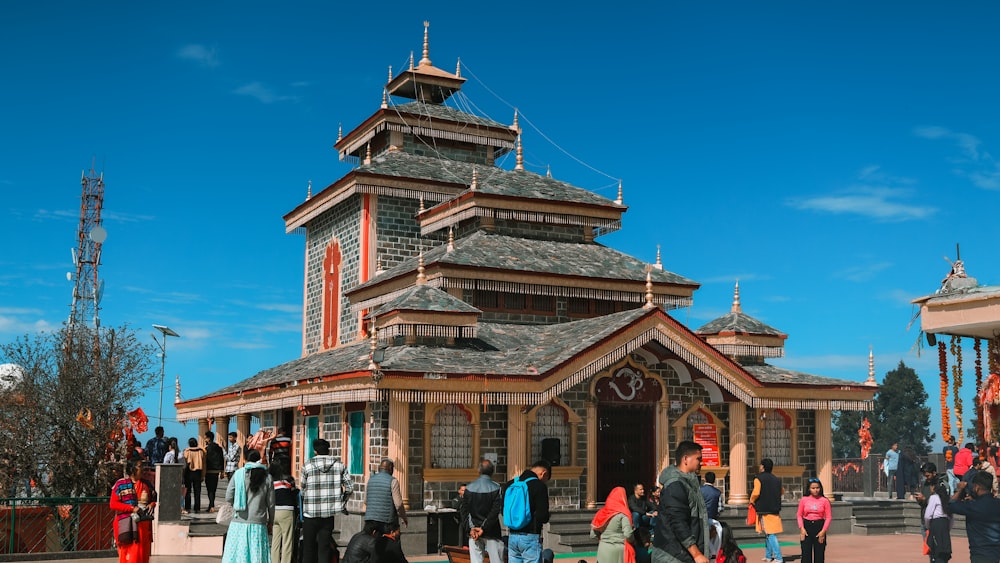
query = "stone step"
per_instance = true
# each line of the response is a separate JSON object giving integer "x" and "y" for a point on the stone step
{"x": 876, "y": 529}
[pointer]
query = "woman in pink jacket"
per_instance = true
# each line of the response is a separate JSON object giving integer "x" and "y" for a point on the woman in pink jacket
{"x": 814, "y": 516}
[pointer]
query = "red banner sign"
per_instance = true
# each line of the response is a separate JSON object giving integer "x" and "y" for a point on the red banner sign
{"x": 707, "y": 436}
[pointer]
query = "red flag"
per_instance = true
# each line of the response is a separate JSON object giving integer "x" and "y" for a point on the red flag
{"x": 138, "y": 420}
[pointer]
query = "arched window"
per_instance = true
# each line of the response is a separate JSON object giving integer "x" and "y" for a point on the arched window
{"x": 552, "y": 435}
{"x": 451, "y": 438}
{"x": 777, "y": 437}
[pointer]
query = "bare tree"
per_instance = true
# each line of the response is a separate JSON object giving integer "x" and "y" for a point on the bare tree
{"x": 64, "y": 430}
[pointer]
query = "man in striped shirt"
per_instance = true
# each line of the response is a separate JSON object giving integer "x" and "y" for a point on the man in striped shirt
{"x": 326, "y": 486}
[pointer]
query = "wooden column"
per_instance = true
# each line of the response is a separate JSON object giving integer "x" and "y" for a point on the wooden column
{"x": 662, "y": 437}
{"x": 202, "y": 428}
{"x": 824, "y": 450}
{"x": 517, "y": 455}
{"x": 399, "y": 425}
{"x": 737, "y": 485}
{"x": 591, "y": 455}
{"x": 242, "y": 434}
{"x": 222, "y": 432}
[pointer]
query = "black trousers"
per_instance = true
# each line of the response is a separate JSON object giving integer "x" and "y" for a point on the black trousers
{"x": 193, "y": 484}
{"x": 317, "y": 534}
{"x": 212, "y": 484}
{"x": 812, "y": 550}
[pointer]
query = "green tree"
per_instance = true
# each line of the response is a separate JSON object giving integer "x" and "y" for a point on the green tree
{"x": 900, "y": 414}
{"x": 68, "y": 407}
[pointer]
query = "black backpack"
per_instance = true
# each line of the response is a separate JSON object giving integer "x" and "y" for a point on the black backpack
{"x": 215, "y": 460}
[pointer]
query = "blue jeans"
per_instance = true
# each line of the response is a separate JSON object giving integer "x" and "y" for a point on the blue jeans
{"x": 524, "y": 548}
{"x": 772, "y": 549}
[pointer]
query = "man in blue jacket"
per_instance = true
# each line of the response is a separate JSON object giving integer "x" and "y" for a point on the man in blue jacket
{"x": 982, "y": 518}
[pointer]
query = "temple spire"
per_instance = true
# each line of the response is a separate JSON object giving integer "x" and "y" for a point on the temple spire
{"x": 659, "y": 262}
{"x": 340, "y": 132}
{"x": 368, "y": 154}
{"x": 385, "y": 98}
{"x": 475, "y": 179}
{"x": 619, "y": 199}
{"x": 451, "y": 238}
{"x": 736, "y": 299}
{"x": 871, "y": 367}
{"x": 390, "y": 75}
{"x": 516, "y": 126}
{"x": 519, "y": 162}
{"x": 458, "y": 68}
{"x": 649, "y": 288}
{"x": 309, "y": 190}
{"x": 548, "y": 170}
{"x": 426, "y": 59}
{"x": 421, "y": 278}
{"x": 411, "y": 60}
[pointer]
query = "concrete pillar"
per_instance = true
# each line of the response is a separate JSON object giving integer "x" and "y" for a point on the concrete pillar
{"x": 591, "y": 455}
{"x": 517, "y": 440}
{"x": 203, "y": 427}
{"x": 738, "y": 494}
{"x": 824, "y": 450}
{"x": 242, "y": 434}
{"x": 662, "y": 438}
{"x": 222, "y": 431}
{"x": 399, "y": 425}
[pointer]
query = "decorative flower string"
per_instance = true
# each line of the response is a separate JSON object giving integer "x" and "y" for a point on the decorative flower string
{"x": 943, "y": 368}
{"x": 956, "y": 378}
{"x": 978, "y": 347}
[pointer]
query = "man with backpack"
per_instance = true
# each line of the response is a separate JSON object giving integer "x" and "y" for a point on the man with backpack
{"x": 215, "y": 464}
{"x": 525, "y": 511}
{"x": 156, "y": 447}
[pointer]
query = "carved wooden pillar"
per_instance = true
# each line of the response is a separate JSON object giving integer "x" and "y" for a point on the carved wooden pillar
{"x": 591, "y": 454}
{"x": 202, "y": 428}
{"x": 824, "y": 450}
{"x": 222, "y": 432}
{"x": 738, "y": 454}
{"x": 399, "y": 424}
{"x": 242, "y": 434}
{"x": 517, "y": 459}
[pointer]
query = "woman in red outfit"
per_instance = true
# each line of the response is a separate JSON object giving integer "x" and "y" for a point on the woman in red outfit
{"x": 132, "y": 497}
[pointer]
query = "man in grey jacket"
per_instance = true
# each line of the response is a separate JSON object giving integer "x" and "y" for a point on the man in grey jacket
{"x": 384, "y": 500}
{"x": 682, "y": 528}
{"x": 480, "y": 509}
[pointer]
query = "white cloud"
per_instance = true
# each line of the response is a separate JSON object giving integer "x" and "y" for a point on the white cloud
{"x": 977, "y": 165}
{"x": 867, "y": 201}
{"x": 205, "y": 56}
{"x": 863, "y": 273}
{"x": 262, "y": 93}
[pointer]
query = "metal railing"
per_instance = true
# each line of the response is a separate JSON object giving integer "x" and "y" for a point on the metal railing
{"x": 55, "y": 524}
{"x": 850, "y": 475}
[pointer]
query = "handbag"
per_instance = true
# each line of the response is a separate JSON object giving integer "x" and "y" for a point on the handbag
{"x": 751, "y": 515}
{"x": 927, "y": 548}
{"x": 126, "y": 531}
{"x": 225, "y": 514}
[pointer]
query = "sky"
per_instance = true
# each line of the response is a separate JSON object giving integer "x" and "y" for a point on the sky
{"x": 827, "y": 157}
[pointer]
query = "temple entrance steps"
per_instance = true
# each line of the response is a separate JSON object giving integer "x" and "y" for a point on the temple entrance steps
{"x": 883, "y": 517}
{"x": 569, "y": 532}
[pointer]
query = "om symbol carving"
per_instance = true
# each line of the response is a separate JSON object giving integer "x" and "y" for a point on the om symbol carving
{"x": 626, "y": 382}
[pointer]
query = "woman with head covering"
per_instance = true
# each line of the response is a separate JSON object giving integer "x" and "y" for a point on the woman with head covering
{"x": 613, "y": 522}
{"x": 133, "y": 499}
{"x": 251, "y": 492}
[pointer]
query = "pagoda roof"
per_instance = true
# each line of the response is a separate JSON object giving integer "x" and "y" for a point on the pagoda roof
{"x": 776, "y": 375}
{"x": 482, "y": 250}
{"x": 737, "y": 322}
{"x": 493, "y": 180}
{"x": 438, "y": 111}
{"x": 425, "y": 298}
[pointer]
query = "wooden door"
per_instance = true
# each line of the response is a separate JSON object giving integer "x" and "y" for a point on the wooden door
{"x": 626, "y": 446}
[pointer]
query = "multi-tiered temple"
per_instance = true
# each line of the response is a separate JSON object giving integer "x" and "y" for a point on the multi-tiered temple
{"x": 457, "y": 309}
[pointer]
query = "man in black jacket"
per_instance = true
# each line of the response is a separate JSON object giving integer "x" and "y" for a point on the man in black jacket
{"x": 682, "y": 525}
{"x": 215, "y": 465}
{"x": 525, "y": 543}
{"x": 479, "y": 509}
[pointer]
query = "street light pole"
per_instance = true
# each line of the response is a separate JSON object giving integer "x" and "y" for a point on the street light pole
{"x": 165, "y": 331}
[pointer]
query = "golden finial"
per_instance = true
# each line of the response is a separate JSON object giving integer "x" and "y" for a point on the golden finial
{"x": 871, "y": 367}
{"x": 390, "y": 74}
{"x": 736, "y": 299}
{"x": 649, "y": 288}
{"x": 385, "y": 98}
{"x": 309, "y": 191}
{"x": 368, "y": 154}
{"x": 475, "y": 179}
{"x": 519, "y": 162}
{"x": 619, "y": 200}
{"x": 451, "y": 238}
{"x": 458, "y": 67}
{"x": 548, "y": 170}
{"x": 427, "y": 46}
{"x": 659, "y": 263}
{"x": 421, "y": 210}
{"x": 516, "y": 126}
{"x": 421, "y": 278}
{"x": 411, "y": 60}
{"x": 340, "y": 132}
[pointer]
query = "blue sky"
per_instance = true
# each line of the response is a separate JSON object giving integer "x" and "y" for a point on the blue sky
{"x": 827, "y": 157}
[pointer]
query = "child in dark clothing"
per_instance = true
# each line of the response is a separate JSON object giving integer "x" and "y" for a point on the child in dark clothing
{"x": 730, "y": 552}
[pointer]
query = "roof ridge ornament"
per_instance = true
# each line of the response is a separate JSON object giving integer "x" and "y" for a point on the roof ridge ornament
{"x": 340, "y": 132}
{"x": 309, "y": 190}
{"x": 421, "y": 278}
{"x": 736, "y": 299}
{"x": 390, "y": 75}
{"x": 659, "y": 263}
{"x": 451, "y": 238}
{"x": 871, "y": 367}
{"x": 619, "y": 200}
{"x": 458, "y": 67}
{"x": 368, "y": 154}
{"x": 519, "y": 162}
{"x": 548, "y": 170}
{"x": 649, "y": 288}
{"x": 411, "y": 60}
{"x": 385, "y": 98}
{"x": 422, "y": 208}
{"x": 516, "y": 126}
{"x": 426, "y": 59}
{"x": 475, "y": 179}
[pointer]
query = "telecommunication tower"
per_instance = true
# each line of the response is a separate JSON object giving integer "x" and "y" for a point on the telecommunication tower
{"x": 88, "y": 288}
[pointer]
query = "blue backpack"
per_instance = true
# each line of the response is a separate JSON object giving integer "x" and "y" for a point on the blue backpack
{"x": 516, "y": 508}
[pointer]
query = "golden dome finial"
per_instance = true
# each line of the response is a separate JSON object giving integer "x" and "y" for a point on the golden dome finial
{"x": 368, "y": 154}
{"x": 649, "y": 288}
{"x": 736, "y": 299}
{"x": 422, "y": 208}
{"x": 390, "y": 74}
{"x": 659, "y": 263}
{"x": 451, "y": 238}
{"x": 421, "y": 278}
{"x": 516, "y": 126}
{"x": 458, "y": 67}
{"x": 871, "y": 367}
{"x": 548, "y": 170}
{"x": 309, "y": 190}
{"x": 385, "y": 98}
{"x": 411, "y": 60}
{"x": 426, "y": 59}
{"x": 340, "y": 132}
{"x": 619, "y": 200}
{"x": 519, "y": 161}
{"x": 475, "y": 179}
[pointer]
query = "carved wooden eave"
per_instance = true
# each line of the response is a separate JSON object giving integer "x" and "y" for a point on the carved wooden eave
{"x": 406, "y": 83}
{"x": 360, "y": 182}
{"x": 733, "y": 344}
{"x": 392, "y": 119}
{"x": 471, "y": 203}
{"x": 973, "y": 314}
{"x": 451, "y": 276}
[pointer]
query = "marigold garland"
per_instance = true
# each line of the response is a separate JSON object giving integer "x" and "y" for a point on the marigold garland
{"x": 956, "y": 378}
{"x": 978, "y": 347}
{"x": 945, "y": 413}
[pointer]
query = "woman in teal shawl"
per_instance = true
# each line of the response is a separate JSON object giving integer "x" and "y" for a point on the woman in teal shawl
{"x": 251, "y": 492}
